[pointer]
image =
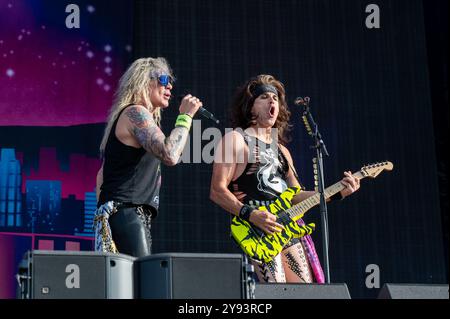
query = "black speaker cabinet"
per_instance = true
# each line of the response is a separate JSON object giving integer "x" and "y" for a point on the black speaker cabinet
{"x": 413, "y": 291}
{"x": 190, "y": 276}
{"x": 301, "y": 291}
{"x": 72, "y": 275}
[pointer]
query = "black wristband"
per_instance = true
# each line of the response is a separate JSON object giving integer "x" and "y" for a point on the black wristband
{"x": 245, "y": 212}
{"x": 337, "y": 196}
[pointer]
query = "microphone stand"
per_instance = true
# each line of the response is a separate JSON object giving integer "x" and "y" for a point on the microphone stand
{"x": 321, "y": 149}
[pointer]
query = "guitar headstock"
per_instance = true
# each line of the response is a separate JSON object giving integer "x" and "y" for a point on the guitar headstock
{"x": 373, "y": 170}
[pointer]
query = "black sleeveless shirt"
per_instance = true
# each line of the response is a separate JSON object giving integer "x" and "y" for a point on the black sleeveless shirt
{"x": 130, "y": 175}
{"x": 264, "y": 177}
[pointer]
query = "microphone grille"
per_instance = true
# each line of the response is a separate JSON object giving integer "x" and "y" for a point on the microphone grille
{"x": 299, "y": 101}
{"x": 304, "y": 101}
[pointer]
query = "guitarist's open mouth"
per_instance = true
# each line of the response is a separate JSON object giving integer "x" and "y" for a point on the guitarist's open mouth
{"x": 272, "y": 111}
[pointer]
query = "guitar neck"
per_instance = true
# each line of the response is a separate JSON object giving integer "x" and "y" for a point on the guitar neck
{"x": 298, "y": 210}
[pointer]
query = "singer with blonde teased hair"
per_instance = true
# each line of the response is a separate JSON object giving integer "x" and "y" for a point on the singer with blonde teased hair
{"x": 132, "y": 148}
{"x": 260, "y": 111}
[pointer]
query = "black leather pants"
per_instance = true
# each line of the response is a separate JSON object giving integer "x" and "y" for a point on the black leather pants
{"x": 130, "y": 228}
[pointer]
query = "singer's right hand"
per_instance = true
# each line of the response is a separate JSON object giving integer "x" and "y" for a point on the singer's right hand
{"x": 190, "y": 105}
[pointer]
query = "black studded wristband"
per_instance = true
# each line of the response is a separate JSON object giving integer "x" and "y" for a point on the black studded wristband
{"x": 245, "y": 212}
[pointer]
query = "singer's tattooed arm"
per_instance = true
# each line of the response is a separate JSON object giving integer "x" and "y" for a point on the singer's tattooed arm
{"x": 149, "y": 135}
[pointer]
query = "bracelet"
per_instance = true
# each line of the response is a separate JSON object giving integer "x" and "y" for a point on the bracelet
{"x": 184, "y": 120}
{"x": 337, "y": 196}
{"x": 245, "y": 212}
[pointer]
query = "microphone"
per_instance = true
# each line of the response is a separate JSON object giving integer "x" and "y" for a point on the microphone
{"x": 302, "y": 101}
{"x": 306, "y": 117}
{"x": 202, "y": 111}
{"x": 207, "y": 114}
{"x": 310, "y": 124}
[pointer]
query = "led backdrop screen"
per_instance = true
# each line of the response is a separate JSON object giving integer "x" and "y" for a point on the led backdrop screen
{"x": 369, "y": 92}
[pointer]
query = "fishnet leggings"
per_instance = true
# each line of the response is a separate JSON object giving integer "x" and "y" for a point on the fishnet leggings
{"x": 291, "y": 265}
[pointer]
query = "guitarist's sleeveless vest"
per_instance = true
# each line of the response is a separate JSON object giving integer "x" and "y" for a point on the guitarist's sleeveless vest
{"x": 264, "y": 177}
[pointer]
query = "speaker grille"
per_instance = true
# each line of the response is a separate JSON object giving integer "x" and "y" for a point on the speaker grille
{"x": 191, "y": 276}
{"x": 206, "y": 277}
{"x": 69, "y": 275}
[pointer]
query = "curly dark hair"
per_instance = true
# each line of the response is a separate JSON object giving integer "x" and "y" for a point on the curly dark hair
{"x": 241, "y": 107}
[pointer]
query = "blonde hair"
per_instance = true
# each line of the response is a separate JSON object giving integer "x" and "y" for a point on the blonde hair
{"x": 135, "y": 87}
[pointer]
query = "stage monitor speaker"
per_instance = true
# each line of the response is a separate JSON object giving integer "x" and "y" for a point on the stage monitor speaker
{"x": 413, "y": 291}
{"x": 75, "y": 275}
{"x": 190, "y": 276}
{"x": 301, "y": 291}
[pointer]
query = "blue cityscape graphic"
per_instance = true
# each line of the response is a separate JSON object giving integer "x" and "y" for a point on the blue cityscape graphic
{"x": 41, "y": 209}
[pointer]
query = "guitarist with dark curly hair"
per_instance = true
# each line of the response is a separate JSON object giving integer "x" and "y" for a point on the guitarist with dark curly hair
{"x": 254, "y": 178}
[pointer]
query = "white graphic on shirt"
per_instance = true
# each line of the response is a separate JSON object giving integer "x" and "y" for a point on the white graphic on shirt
{"x": 268, "y": 182}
